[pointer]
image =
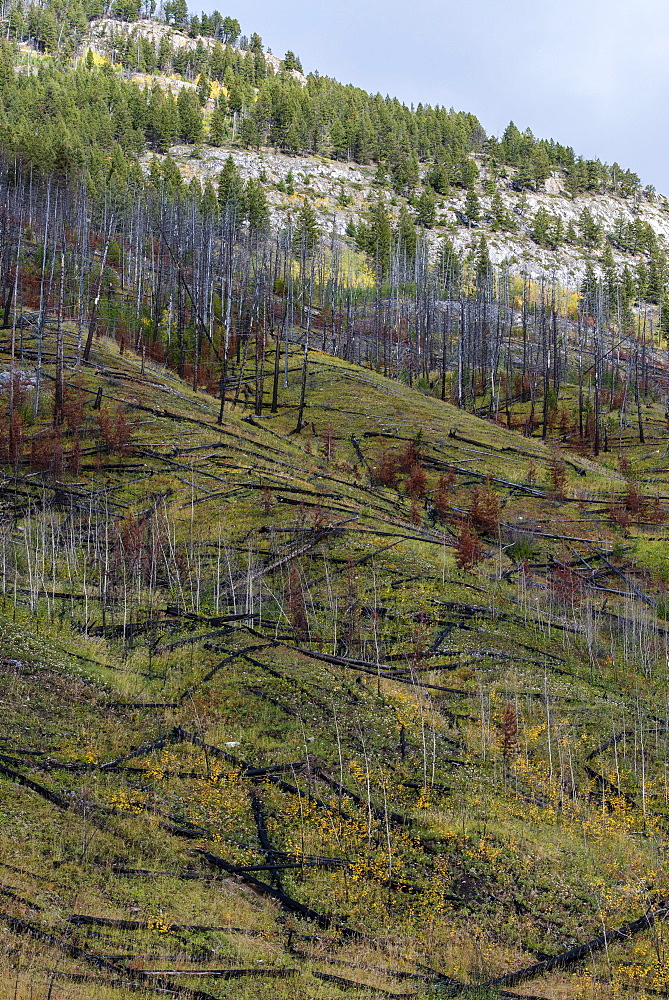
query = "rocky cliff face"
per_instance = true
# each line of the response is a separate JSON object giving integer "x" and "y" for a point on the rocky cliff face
{"x": 567, "y": 263}
{"x": 341, "y": 192}
{"x": 105, "y": 29}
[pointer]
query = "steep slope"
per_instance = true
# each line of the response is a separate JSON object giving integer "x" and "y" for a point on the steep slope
{"x": 312, "y": 680}
{"x": 257, "y": 722}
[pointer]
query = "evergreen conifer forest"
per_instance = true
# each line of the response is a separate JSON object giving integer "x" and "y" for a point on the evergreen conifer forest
{"x": 333, "y": 549}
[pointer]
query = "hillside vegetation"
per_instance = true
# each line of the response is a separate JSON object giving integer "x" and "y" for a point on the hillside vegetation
{"x": 181, "y": 88}
{"x": 379, "y": 706}
{"x": 333, "y": 550}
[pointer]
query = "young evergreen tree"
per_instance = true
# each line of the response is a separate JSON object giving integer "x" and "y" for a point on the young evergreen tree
{"x": 291, "y": 62}
{"x": 501, "y": 217}
{"x": 231, "y": 191}
{"x": 230, "y": 30}
{"x": 255, "y": 204}
{"x": 541, "y": 227}
{"x": 218, "y": 124}
{"x": 405, "y": 173}
{"x": 406, "y": 233}
{"x": 191, "y": 127}
{"x": 591, "y": 233}
{"x": 307, "y": 231}
{"x": 426, "y": 209}
{"x": 203, "y": 89}
{"x": 472, "y": 208}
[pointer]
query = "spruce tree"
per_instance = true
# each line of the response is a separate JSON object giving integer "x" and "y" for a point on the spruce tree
{"x": 231, "y": 191}
{"x": 255, "y": 205}
{"x": 406, "y": 233}
{"x": 472, "y": 208}
{"x": 307, "y": 230}
{"x": 426, "y": 209}
{"x": 218, "y": 123}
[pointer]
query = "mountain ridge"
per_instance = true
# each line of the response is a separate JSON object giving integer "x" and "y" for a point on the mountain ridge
{"x": 519, "y": 251}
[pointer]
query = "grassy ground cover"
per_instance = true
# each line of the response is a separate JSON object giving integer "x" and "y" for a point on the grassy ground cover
{"x": 380, "y": 706}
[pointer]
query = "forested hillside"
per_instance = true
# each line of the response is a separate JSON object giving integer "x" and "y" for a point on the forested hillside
{"x": 333, "y": 546}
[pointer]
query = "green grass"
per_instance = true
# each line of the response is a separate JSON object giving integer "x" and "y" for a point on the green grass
{"x": 503, "y": 857}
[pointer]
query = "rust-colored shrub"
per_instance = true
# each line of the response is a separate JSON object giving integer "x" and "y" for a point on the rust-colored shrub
{"x": 410, "y": 456}
{"x": 656, "y": 514}
{"x": 565, "y": 423}
{"x": 129, "y": 544}
{"x": 468, "y": 548}
{"x": 566, "y": 584}
{"x": 11, "y": 438}
{"x": 484, "y": 508}
{"x": 558, "y": 475}
{"x": 46, "y": 452}
{"x": 618, "y": 514}
{"x": 441, "y": 498}
{"x": 624, "y": 465}
{"x": 73, "y": 409}
{"x": 115, "y": 429}
{"x": 416, "y": 482}
{"x": 267, "y": 501}
{"x": 617, "y": 399}
{"x": 508, "y": 740}
{"x": 386, "y": 472}
{"x": 416, "y": 514}
{"x": 295, "y": 603}
{"x": 318, "y": 518}
{"x": 634, "y": 501}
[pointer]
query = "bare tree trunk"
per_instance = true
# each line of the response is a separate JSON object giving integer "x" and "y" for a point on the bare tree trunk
{"x": 59, "y": 396}
{"x": 96, "y": 301}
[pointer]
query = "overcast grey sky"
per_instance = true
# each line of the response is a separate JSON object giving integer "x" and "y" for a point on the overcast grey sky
{"x": 593, "y": 74}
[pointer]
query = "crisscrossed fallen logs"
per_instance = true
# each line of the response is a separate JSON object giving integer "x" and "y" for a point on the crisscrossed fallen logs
{"x": 519, "y": 996}
{"x": 185, "y": 829}
{"x": 347, "y": 565}
{"x": 187, "y": 692}
{"x": 576, "y": 954}
{"x": 375, "y": 669}
{"x": 87, "y": 977}
{"x": 80, "y": 977}
{"x": 263, "y": 837}
{"x": 609, "y": 786}
{"x": 607, "y": 744}
{"x": 31, "y": 929}
{"x": 274, "y": 701}
{"x": 395, "y": 973}
{"x": 5, "y": 890}
{"x": 22, "y": 871}
{"x": 141, "y": 751}
{"x": 295, "y": 549}
{"x": 191, "y": 640}
{"x": 278, "y": 972}
{"x": 286, "y": 901}
{"x": 308, "y": 695}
